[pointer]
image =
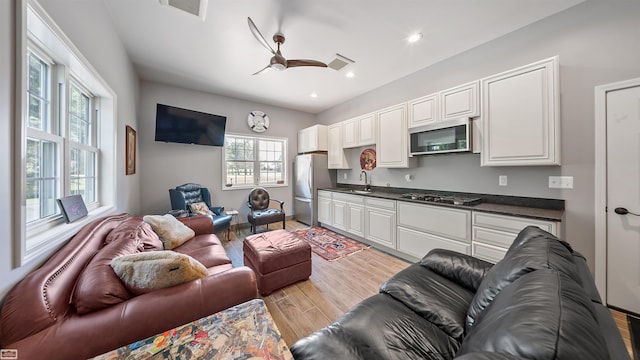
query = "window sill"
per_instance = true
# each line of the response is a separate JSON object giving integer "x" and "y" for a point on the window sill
{"x": 249, "y": 187}
{"x": 50, "y": 240}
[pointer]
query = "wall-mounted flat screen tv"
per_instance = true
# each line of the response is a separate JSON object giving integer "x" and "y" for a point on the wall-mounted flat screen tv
{"x": 178, "y": 125}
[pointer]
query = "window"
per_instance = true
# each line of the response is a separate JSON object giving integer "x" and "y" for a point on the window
{"x": 57, "y": 141}
{"x": 251, "y": 161}
{"x": 68, "y": 128}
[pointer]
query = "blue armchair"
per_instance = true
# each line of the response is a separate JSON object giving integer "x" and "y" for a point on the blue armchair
{"x": 184, "y": 195}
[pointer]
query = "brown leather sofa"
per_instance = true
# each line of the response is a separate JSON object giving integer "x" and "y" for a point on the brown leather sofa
{"x": 40, "y": 320}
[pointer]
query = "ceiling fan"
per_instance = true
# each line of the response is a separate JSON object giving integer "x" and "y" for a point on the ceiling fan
{"x": 278, "y": 62}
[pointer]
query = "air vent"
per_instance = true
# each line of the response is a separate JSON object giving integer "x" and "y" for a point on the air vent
{"x": 340, "y": 62}
{"x": 193, "y": 7}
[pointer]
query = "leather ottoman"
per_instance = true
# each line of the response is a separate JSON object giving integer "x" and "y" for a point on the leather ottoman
{"x": 279, "y": 258}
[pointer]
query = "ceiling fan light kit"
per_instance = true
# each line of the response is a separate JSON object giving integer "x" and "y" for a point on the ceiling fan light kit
{"x": 277, "y": 61}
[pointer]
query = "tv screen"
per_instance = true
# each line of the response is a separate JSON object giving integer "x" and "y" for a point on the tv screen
{"x": 178, "y": 125}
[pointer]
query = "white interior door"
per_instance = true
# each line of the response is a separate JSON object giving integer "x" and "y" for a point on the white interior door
{"x": 623, "y": 192}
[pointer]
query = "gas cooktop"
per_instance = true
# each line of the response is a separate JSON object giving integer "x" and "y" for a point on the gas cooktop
{"x": 443, "y": 199}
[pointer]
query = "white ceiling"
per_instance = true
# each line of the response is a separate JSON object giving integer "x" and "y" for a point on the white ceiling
{"x": 219, "y": 55}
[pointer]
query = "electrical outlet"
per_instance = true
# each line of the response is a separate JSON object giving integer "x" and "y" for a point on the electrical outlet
{"x": 502, "y": 180}
{"x": 560, "y": 182}
{"x": 344, "y": 176}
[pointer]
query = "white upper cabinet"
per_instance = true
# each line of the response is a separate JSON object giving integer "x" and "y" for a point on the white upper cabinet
{"x": 460, "y": 101}
{"x": 350, "y": 133}
{"x": 336, "y": 155}
{"x": 393, "y": 136}
{"x": 424, "y": 110}
{"x": 313, "y": 138}
{"x": 520, "y": 116}
{"x": 359, "y": 131}
{"x": 367, "y": 129}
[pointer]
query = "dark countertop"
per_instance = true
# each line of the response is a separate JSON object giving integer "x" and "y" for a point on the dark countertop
{"x": 535, "y": 208}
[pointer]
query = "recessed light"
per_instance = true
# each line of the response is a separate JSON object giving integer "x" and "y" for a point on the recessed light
{"x": 415, "y": 37}
{"x": 313, "y": 95}
{"x": 350, "y": 74}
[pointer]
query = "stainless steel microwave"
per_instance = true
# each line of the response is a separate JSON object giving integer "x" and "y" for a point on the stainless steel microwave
{"x": 441, "y": 137}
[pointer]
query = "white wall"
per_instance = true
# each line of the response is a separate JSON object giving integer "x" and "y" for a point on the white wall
{"x": 167, "y": 165}
{"x": 87, "y": 25}
{"x": 597, "y": 43}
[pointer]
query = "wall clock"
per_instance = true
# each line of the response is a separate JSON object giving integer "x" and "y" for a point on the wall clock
{"x": 258, "y": 121}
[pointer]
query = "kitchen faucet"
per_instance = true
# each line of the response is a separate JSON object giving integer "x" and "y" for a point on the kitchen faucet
{"x": 367, "y": 187}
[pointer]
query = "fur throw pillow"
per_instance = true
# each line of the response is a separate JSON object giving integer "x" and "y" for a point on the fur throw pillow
{"x": 148, "y": 271}
{"x": 171, "y": 231}
{"x": 200, "y": 208}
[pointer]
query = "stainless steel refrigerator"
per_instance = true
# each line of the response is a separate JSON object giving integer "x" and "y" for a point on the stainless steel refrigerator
{"x": 310, "y": 173}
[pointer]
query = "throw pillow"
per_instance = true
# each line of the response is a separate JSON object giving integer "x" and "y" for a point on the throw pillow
{"x": 148, "y": 271}
{"x": 200, "y": 208}
{"x": 171, "y": 231}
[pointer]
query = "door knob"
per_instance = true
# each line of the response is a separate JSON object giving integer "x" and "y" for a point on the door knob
{"x": 624, "y": 211}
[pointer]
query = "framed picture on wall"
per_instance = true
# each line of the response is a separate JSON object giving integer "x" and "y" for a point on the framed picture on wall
{"x": 131, "y": 150}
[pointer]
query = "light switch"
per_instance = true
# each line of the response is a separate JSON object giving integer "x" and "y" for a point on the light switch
{"x": 502, "y": 180}
{"x": 344, "y": 175}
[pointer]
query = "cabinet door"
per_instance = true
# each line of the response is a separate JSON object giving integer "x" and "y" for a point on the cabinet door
{"x": 339, "y": 209}
{"x": 324, "y": 211}
{"x": 350, "y": 133}
{"x": 355, "y": 219}
{"x": 380, "y": 226}
{"x": 423, "y": 111}
{"x": 418, "y": 243}
{"x": 460, "y": 101}
{"x": 392, "y": 146}
{"x": 367, "y": 129}
{"x": 454, "y": 224}
{"x": 336, "y": 155}
{"x": 303, "y": 141}
{"x": 520, "y": 116}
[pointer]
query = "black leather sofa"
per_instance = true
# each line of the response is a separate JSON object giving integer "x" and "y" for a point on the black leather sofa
{"x": 539, "y": 302}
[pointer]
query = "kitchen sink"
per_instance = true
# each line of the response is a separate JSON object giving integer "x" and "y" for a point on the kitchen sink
{"x": 363, "y": 192}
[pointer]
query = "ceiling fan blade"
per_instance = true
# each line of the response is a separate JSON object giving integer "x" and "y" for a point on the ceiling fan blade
{"x": 301, "y": 62}
{"x": 265, "y": 69}
{"x": 256, "y": 33}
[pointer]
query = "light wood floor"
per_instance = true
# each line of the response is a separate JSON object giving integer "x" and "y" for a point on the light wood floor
{"x": 334, "y": 287}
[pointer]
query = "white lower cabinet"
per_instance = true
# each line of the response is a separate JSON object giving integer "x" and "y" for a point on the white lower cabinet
{"x": 419, "y": 243}
{"x": 324, "y": 208}
{"x": 355, "y": 224}
{"x": 493, "y": 234}
{"x": 380, "y": 221}
{"x": 339, "y": 209}
{"x": 422, "y": 228}
{"x": 411, "y": 230}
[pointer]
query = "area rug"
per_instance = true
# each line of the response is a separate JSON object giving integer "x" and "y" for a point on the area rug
{"x": 328, "y": 244}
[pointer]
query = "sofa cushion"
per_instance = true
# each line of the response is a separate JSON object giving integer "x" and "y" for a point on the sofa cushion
{"x": 439, "y": 300}
{"x": 136, "y": 229}
{"x": 533, "y": 249}
{"x": 97, "y": 286}
{"x": 459, "y": 268}
{"x": 171, "y": 231}
{"x": 541, "y": 315}
{"x": 383, "y": 326}
{"x": 148, "y": 271}
{"x": 200, "y": 208}
{"x": 205, "y": 248}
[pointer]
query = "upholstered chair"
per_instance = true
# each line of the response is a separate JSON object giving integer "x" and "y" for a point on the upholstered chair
{"x": 261, "y": 212}
{"x": 183, "y": 196}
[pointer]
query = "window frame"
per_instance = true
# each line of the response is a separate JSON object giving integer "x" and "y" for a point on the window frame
{"x": 37, "y": 32}
{"x": 256, "y": 162}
